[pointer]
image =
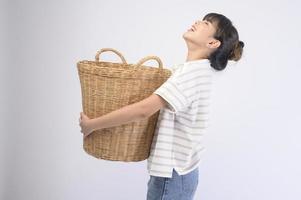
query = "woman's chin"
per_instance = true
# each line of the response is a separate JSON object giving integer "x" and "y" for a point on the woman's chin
{"x": 186, "y": 34}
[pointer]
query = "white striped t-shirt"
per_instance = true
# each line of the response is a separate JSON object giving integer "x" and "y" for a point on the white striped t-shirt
{"x": 178, "y": 137}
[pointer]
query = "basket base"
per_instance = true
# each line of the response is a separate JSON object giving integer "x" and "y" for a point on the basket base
{"x": 117, "y": 158}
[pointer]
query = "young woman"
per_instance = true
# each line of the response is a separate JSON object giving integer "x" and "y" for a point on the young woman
{"x": 183, "y": 101}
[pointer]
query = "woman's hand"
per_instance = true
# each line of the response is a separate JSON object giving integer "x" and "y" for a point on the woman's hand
{"x": 85, "y": 124}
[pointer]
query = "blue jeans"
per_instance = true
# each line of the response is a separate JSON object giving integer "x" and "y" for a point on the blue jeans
{"x": 178, "y": 187}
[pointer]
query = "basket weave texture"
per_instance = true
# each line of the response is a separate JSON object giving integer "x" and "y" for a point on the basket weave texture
{"x": 108, "y": 86}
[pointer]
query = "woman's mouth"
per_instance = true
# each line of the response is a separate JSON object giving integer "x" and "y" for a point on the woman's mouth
{"x": 192, "y": 29}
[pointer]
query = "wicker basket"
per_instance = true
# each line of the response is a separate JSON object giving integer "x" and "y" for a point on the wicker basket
{"x": 108, "y": 86}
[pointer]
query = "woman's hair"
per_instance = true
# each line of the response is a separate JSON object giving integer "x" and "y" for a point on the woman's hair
{"x": 231, "y": 47}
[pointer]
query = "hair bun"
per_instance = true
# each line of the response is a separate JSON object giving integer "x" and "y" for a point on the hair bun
{"x": 236, "y": 52}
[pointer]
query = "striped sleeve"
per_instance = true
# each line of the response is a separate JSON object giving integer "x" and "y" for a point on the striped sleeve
{"x": 174, "y": 94}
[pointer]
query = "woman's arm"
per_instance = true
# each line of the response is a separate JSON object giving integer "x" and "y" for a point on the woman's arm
{"x": 133, "y": 112}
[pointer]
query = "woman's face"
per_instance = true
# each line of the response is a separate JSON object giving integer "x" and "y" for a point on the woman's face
{"x": 200, "y": 33}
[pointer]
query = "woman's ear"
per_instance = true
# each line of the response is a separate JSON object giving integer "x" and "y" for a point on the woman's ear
{"x": 213, "y": 44}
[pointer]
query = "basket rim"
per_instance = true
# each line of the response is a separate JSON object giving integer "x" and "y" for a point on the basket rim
{"x": 89, "y": 62}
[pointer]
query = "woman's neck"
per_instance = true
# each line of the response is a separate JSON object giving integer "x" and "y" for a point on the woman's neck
{"x": 196, "y": 55}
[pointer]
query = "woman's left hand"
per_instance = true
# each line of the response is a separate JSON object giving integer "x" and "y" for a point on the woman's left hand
{"x": 85, "y": 124}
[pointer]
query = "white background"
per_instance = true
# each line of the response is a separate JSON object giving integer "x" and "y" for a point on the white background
{"x": 253, "y": 142}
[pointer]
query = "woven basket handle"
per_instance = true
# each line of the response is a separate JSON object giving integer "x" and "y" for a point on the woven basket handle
{"x": 109, "y": 49}
{"x": 143, "y": 60}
